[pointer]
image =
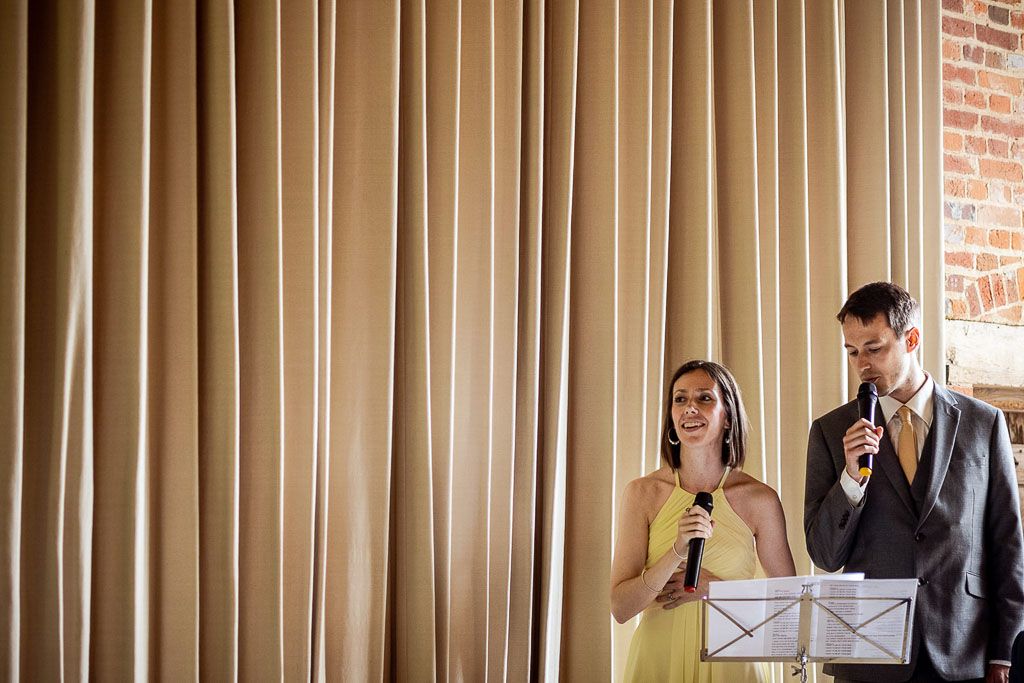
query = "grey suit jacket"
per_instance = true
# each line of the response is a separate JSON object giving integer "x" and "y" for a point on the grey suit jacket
{"x": 958, "y": 531}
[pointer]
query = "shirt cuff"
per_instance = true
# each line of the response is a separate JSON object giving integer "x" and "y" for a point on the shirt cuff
{"x": 999, "y": 661}
{"x": 854, "y": 491}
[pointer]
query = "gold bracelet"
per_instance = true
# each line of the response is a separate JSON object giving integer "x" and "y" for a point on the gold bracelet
{"x": 676, "y": 551}
{"x": 643, "y": 577}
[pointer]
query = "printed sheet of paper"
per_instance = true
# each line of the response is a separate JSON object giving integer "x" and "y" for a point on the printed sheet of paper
{"x": 879, "y": 619}
{"x": 741, "y": 606}
{"x": 760, "y": 619}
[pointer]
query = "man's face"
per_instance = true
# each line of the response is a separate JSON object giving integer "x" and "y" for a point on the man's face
{"x": 877, "y": 354}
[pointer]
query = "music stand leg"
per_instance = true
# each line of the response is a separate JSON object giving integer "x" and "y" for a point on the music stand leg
{"x": 801, "y": 670}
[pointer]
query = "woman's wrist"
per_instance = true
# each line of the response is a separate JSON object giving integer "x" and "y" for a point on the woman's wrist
{"x": 643, "y": 578}
{"x": 658, "y": 574}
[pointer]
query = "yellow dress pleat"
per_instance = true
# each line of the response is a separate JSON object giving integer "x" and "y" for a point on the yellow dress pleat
{"x": 666, "y": 645}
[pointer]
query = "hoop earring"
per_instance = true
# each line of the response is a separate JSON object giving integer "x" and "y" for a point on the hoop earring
{"x": 674, "y": 443}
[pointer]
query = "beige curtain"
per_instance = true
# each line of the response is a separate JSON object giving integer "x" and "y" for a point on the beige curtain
{"x": 330, "y": 332}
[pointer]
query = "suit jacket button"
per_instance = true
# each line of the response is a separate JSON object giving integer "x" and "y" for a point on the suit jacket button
{"x": 922, "y": 581}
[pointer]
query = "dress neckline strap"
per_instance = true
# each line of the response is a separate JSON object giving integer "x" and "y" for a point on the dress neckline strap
{"x": 721, "y": 482}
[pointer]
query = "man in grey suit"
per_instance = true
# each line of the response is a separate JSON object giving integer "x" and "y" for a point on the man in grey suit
{"x": 940, "y": 505}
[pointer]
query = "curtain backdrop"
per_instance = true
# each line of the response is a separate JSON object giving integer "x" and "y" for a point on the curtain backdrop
{"x": 331, "y": 332}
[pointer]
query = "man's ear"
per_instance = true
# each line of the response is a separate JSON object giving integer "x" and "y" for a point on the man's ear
{"x": 913, "y": 339}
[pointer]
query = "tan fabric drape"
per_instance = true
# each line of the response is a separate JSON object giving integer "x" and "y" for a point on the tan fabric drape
{"x": 331, "y": 332}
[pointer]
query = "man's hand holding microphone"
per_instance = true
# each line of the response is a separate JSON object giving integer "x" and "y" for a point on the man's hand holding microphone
{"x": 860, "y": 444}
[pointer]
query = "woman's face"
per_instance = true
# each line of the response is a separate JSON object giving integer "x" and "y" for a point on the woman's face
{"x": 698, "y": 410}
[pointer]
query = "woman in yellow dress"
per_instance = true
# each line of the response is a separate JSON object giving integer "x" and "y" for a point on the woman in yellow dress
{"x": 703, "y": 446}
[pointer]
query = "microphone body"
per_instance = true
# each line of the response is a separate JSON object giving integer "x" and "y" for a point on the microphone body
{"x": 696, "y": 548}
{"x": 867, "y": 402}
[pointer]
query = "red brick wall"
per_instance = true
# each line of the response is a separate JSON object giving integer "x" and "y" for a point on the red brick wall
{"x": 983, "y": 137}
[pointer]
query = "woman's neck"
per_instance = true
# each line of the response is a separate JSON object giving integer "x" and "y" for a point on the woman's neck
{"x": 700, "y": 471}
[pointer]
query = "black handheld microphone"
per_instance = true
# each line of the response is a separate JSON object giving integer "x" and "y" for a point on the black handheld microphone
{"x": 696, "y": 552}
{"x": 867, "y": 400}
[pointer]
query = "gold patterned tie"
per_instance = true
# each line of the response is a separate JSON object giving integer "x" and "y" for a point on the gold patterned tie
{"x": 906, "y": 447}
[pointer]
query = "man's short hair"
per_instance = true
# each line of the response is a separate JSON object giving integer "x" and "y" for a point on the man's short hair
{"x": 883, "y": 298}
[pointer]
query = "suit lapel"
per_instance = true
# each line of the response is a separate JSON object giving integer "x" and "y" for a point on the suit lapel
{"x": 945, "y": 421}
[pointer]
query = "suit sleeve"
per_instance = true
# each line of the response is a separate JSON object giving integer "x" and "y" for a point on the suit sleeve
{"x": 830, "y": 520}
{"x": 1004, "y": 545}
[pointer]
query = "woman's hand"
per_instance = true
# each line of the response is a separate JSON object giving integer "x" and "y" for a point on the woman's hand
{"x": 696, "y": 523}
{"x": 673, "y": 595}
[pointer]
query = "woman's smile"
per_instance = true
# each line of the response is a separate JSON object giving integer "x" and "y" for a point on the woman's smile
{"x": 691, "y": 426}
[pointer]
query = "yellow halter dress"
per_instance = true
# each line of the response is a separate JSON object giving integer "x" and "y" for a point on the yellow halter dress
{"x": 666, "y": 646}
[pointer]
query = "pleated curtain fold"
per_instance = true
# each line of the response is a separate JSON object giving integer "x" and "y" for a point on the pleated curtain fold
{"x": 331, "y": 332}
